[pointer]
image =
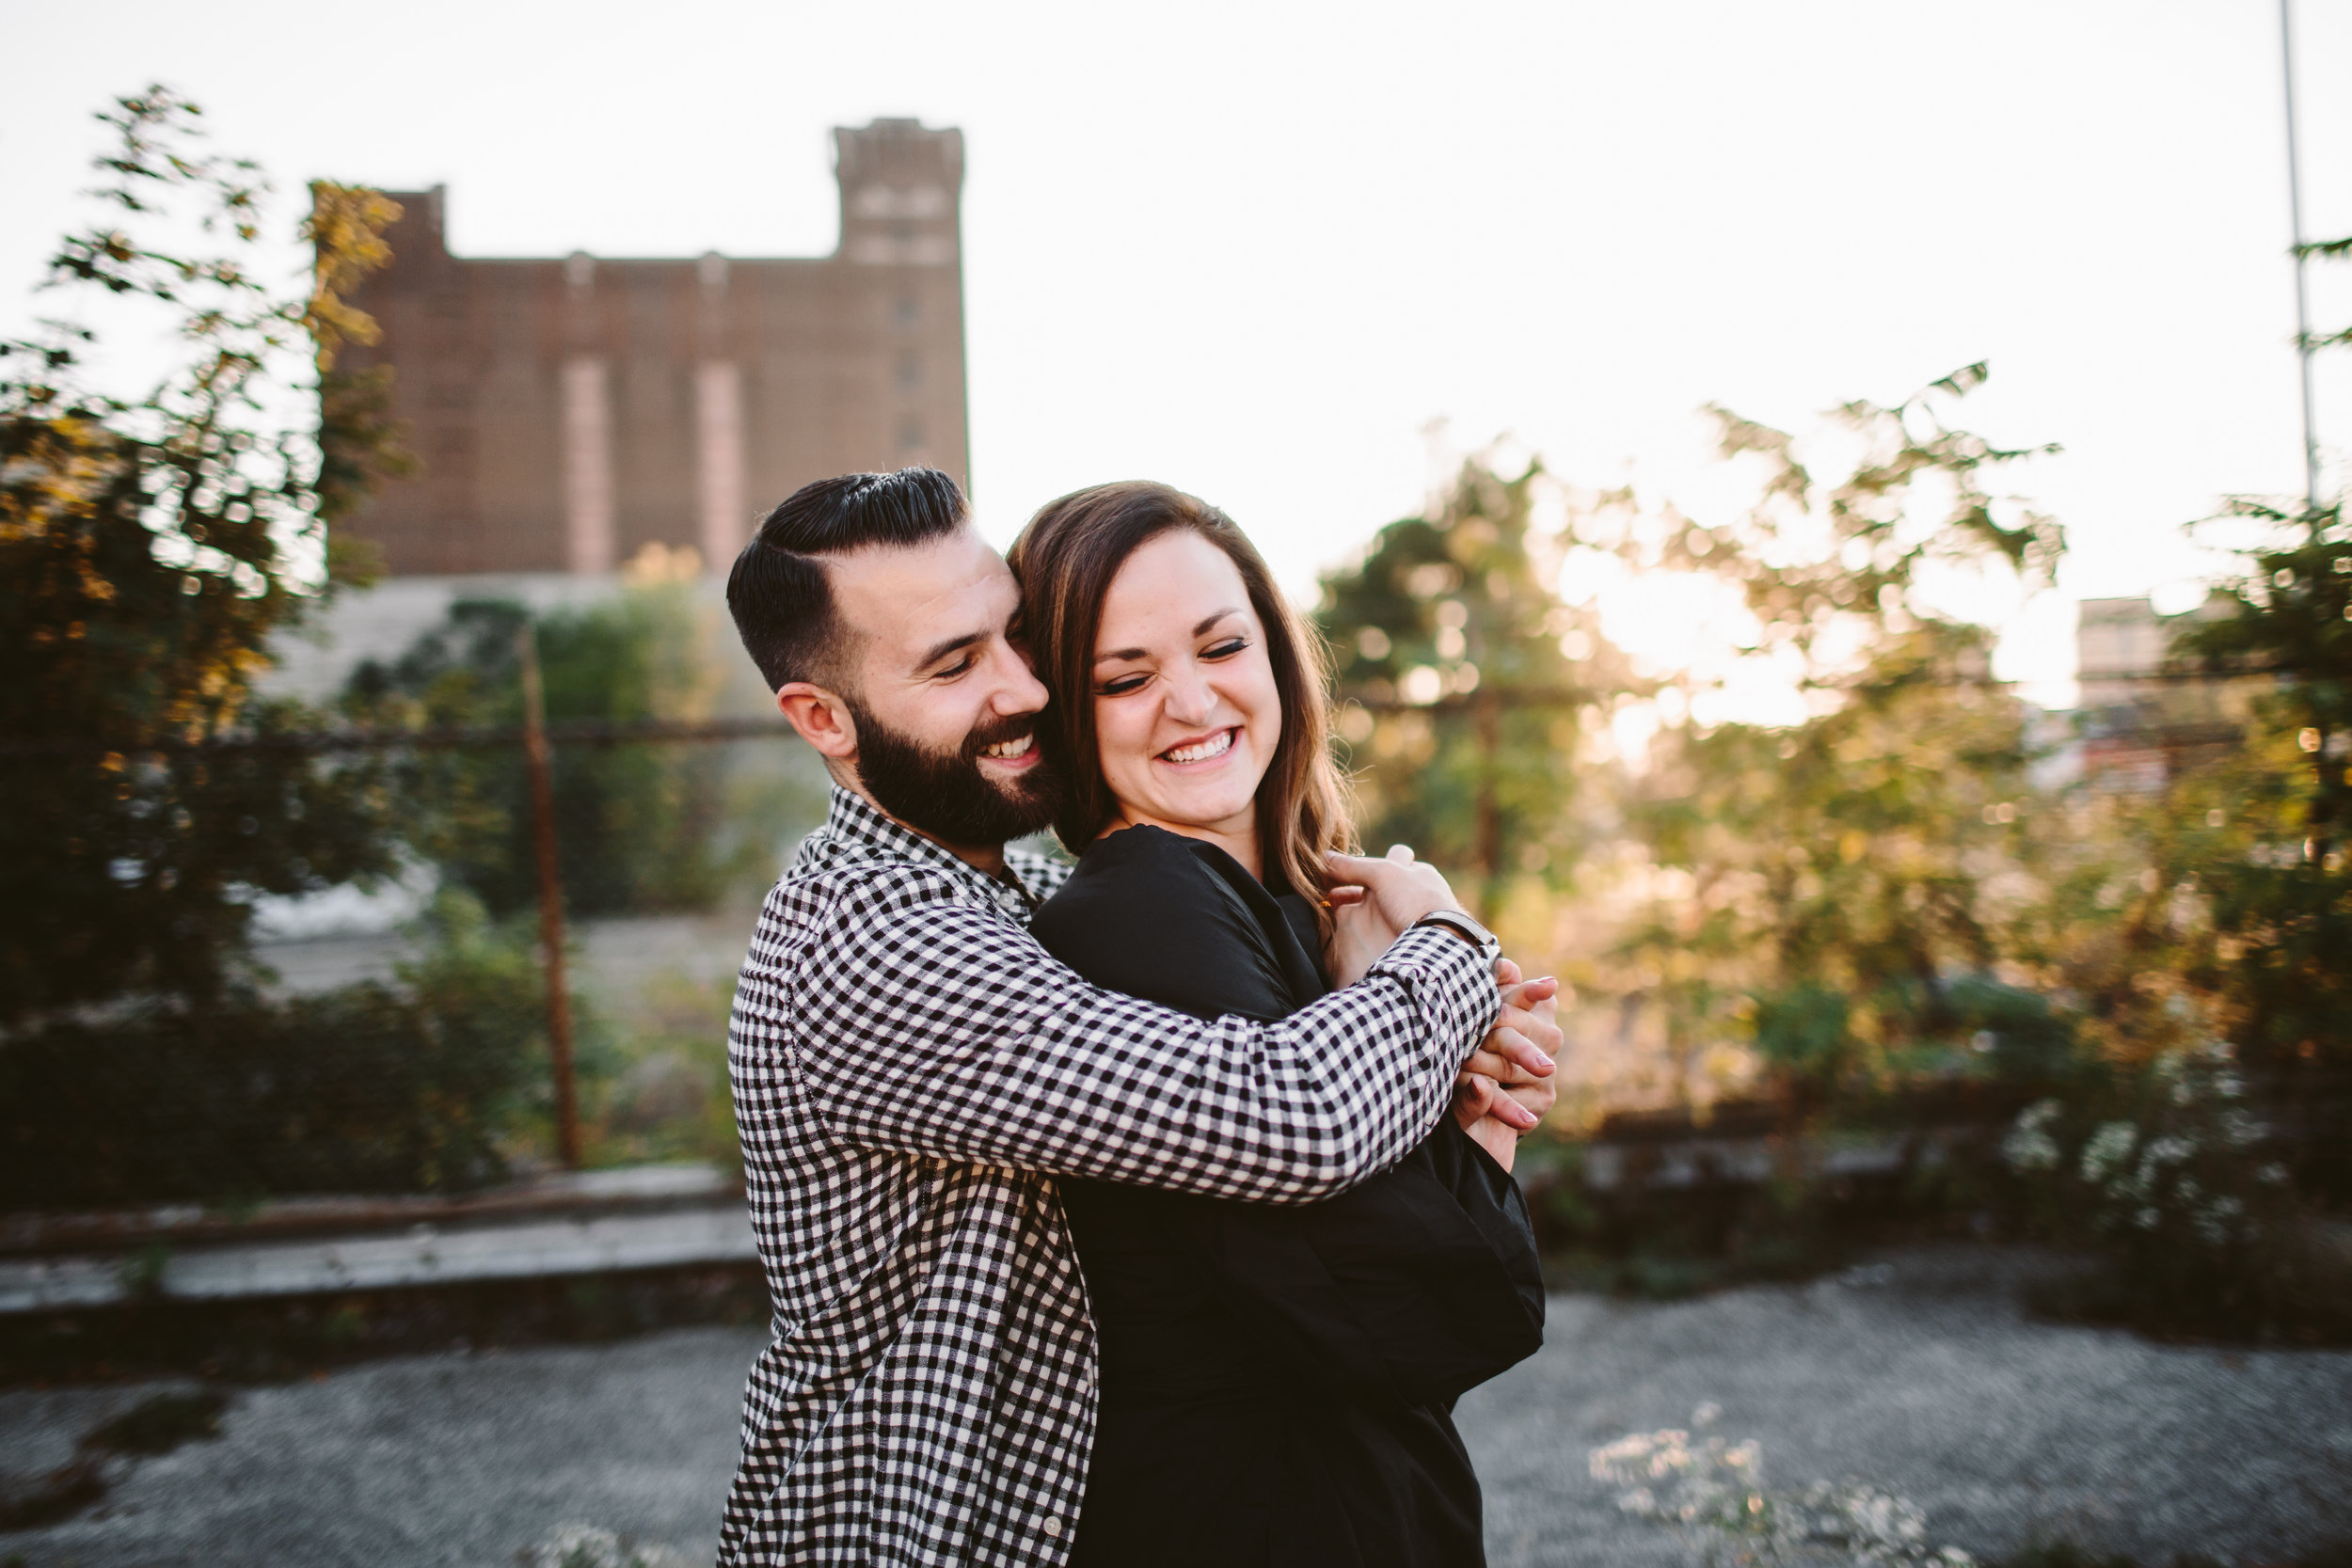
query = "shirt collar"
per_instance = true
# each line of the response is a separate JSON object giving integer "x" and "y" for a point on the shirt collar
{"x": 851, "y": 821}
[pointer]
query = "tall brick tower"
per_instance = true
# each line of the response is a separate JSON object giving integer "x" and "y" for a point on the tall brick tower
{"x": 569, "y": 412}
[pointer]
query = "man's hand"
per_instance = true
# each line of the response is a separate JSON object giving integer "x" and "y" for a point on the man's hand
{"x": 1507, "y": 1088}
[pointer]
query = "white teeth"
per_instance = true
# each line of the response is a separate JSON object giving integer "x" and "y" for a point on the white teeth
{"x": 1216, "y": 746}
{"x": 1007, "y": 749}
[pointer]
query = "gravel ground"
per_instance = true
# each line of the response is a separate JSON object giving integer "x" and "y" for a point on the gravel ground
{"x": 1921, "y": 1375}
{"x": 1918, "y": 1374}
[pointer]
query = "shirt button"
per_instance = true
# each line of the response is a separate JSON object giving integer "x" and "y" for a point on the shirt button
{"x": 1053, "y": 1527}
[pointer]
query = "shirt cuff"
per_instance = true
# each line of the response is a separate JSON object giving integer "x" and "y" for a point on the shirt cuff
{"x": 1452, "y": 985}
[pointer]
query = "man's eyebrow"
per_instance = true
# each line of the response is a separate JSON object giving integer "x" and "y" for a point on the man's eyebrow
{"x": 939, "y": 650}
{"x": 1198, "y": 630}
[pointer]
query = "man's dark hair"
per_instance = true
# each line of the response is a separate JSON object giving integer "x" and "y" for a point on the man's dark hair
{"x": 779, "y": 592}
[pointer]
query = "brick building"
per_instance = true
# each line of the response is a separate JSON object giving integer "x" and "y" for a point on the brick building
{"x": 569, "y": 412}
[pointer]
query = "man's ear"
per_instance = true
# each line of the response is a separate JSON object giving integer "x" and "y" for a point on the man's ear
{"x": 821, "y": 719}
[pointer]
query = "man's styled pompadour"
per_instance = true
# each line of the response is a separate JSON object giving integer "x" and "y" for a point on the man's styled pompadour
{"x": 778, "y": 591}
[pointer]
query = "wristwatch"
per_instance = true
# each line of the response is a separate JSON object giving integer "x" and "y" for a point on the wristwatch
{"x": 1462, "y": 925}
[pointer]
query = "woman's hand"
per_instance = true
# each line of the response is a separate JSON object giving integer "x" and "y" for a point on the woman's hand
{"x": 1500, "y": 1142}
{"x": 1359, "y": 934}
{"x": 1372, "y": 903}
{"x": 1506, "y": 1086}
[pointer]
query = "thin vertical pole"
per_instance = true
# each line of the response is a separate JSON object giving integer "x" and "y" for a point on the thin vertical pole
{"x": 1488, "y": 711}
{"x": 2295, "y": 218}
{"x": 550, "y": 898}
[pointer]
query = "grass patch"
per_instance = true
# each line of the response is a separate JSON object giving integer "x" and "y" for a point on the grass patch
{"x": 161, "y": 1423}
{"x": 56, "y": 1496}
{"x": 155, "y": 1425}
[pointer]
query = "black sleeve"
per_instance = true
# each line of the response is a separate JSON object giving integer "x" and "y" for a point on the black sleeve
{"x": 1416, "y": 1286}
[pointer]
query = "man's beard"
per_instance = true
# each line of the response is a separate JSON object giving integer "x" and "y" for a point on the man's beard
{"x": 944, "y": 793}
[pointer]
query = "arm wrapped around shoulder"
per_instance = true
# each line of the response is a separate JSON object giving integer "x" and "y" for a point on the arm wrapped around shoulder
{"x": 935, "y": 1027}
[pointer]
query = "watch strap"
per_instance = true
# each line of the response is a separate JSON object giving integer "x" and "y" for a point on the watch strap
{"x": 1464, "y": 926}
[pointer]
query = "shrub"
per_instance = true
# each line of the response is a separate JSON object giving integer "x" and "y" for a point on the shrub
{"x": 368, "y": 1089}
{"x": 2187, "y": 1199}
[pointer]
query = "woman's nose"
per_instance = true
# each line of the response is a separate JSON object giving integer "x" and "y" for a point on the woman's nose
{"x": 1189, "y": 701}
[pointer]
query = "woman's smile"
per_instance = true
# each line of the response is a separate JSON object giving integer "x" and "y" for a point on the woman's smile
{"x": 1195, "y": 754}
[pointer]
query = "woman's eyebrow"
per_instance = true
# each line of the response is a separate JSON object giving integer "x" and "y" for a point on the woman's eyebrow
{"x": 1199, "y": 630}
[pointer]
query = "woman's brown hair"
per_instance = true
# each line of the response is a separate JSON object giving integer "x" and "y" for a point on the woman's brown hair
{"x": 1066, "y": 559}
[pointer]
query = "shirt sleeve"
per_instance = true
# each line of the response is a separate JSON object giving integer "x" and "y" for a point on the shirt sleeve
{"x": 929, "y": 1025}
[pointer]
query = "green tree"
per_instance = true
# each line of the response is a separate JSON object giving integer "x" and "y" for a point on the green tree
{"x": 640, "y": 825}
{"x": 1835, "y": 889}
{"x": 1466, "y": 685}
{"x": 2231, "y": 901}
{"x": 148, "y": 549}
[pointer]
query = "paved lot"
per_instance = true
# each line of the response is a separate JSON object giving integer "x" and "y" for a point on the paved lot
{"x": 1920, "y": 1376}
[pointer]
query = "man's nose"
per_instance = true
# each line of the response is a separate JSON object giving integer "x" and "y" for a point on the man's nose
{"x": 1018, "y": 690}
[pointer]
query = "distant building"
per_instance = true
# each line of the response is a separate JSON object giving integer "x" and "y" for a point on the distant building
{"x": 2139, "y": 721}
{"x": 568, "y": 413}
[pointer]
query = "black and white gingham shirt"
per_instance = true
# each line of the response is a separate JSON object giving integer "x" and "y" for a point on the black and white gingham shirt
{"x": 907, "y": 1063}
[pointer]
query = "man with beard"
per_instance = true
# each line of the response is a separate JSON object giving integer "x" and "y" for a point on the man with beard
{"x": 908, "y": 1063}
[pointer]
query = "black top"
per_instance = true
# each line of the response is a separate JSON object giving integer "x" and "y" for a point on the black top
{"x": 1276, "y": 1381}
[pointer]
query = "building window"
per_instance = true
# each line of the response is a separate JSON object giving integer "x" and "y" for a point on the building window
{"x": 906, "y": 314}
{"x": 910, "y": 436}
{"x": 910, "y": 372}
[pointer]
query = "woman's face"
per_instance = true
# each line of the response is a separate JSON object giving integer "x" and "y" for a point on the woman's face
{"x": 1187, "y": 715}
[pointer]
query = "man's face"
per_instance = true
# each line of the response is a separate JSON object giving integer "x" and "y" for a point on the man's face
{"x": 944, "y": 703}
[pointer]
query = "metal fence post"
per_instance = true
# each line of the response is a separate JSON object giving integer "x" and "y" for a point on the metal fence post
{"x": 550, "y": 898}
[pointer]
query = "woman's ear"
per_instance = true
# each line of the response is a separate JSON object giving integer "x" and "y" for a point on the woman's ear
{"x": 820, "y": 718}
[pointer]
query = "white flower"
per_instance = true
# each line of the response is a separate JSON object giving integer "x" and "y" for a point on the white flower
{"x": 2146, "y": 1219}
{"x": 2272, "y": 1175}
{"x": 586, "y": 1547}
{"x": 2171, "y": 1150}
{"x": 2029, "y": 1146}
{"x": 2107, "y": 1149}
{"x": 2241, "y": 1129}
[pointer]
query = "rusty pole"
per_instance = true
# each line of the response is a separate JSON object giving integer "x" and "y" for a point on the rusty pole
{"x": 550, "y": 898}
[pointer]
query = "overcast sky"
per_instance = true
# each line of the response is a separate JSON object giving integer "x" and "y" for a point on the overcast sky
{"x": 1255, "y": 250}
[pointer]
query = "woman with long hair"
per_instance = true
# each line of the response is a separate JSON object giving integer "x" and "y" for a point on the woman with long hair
{"x": 1276, "y": 1382}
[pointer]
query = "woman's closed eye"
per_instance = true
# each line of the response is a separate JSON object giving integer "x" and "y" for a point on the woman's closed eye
{"x": 1225, "y": 648}
{"x": 1118, "y": 685}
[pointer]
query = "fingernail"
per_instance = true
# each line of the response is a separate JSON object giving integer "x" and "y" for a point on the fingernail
{"x": 1549, "y": 1063}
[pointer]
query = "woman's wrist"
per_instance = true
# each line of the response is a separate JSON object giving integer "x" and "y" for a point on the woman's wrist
{"x": 1461, "y": 923}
